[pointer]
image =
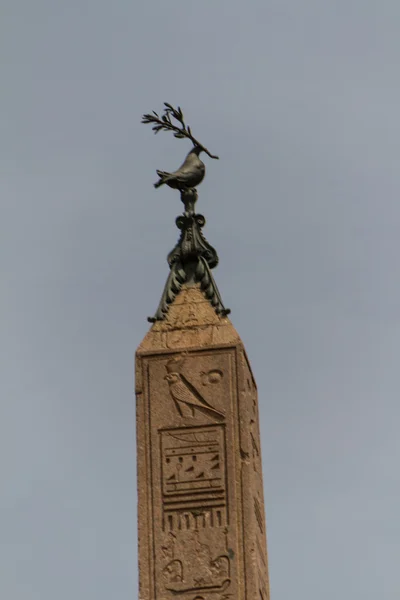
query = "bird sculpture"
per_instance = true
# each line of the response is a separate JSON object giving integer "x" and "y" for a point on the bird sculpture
{"x": 185, "y": 394}
{"x": 189, "y": 174}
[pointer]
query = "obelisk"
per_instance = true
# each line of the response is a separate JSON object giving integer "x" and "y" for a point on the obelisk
{"x": 201, "y": 518}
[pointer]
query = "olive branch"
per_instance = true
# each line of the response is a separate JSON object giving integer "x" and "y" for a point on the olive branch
{"x": 164, "y": 123}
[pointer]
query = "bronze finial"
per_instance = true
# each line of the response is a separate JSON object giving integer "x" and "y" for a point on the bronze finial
{"x": 193, "y": 257}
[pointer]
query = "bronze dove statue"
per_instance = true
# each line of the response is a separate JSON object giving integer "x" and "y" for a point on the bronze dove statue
{"x": 189, "y": 174}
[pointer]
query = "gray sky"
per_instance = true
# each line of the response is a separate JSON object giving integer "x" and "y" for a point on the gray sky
{"x": 301, "y": 101}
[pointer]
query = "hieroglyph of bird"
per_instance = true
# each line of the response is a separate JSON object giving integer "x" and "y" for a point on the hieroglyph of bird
{"x": 184, "y": 394}
{"x": 189, "y": 174}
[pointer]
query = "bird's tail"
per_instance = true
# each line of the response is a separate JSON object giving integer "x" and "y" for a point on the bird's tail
{"x": 163, "y": 175}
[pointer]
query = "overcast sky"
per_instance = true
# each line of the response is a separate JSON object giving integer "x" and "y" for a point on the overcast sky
{"x": 300, "y": 99}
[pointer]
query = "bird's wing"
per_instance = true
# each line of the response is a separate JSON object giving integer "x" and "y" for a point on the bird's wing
{"x": 182, "y": 393}
{"x": 197, "y": 167}
{"x": 185, "y": 177}
{"x": 207, "y": 410}
{"x": 195, "y": 393}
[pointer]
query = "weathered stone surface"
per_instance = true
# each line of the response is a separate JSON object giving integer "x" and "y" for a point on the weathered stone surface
{"x": 202, "y": 532}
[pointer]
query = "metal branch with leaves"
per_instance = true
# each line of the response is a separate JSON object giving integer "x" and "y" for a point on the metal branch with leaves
{"x": 164, "y": 123}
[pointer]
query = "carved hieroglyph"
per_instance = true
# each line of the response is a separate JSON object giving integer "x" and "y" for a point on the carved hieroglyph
{"x": 202, "y": 532}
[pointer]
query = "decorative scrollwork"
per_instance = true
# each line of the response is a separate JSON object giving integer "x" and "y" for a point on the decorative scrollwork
{"x": 176, "y": 278}
{"x": 190, "y": 261}
{"x": 209, "y": 287}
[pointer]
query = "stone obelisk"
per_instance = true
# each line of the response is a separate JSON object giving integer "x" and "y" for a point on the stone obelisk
{"x": 201, "y": 523}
